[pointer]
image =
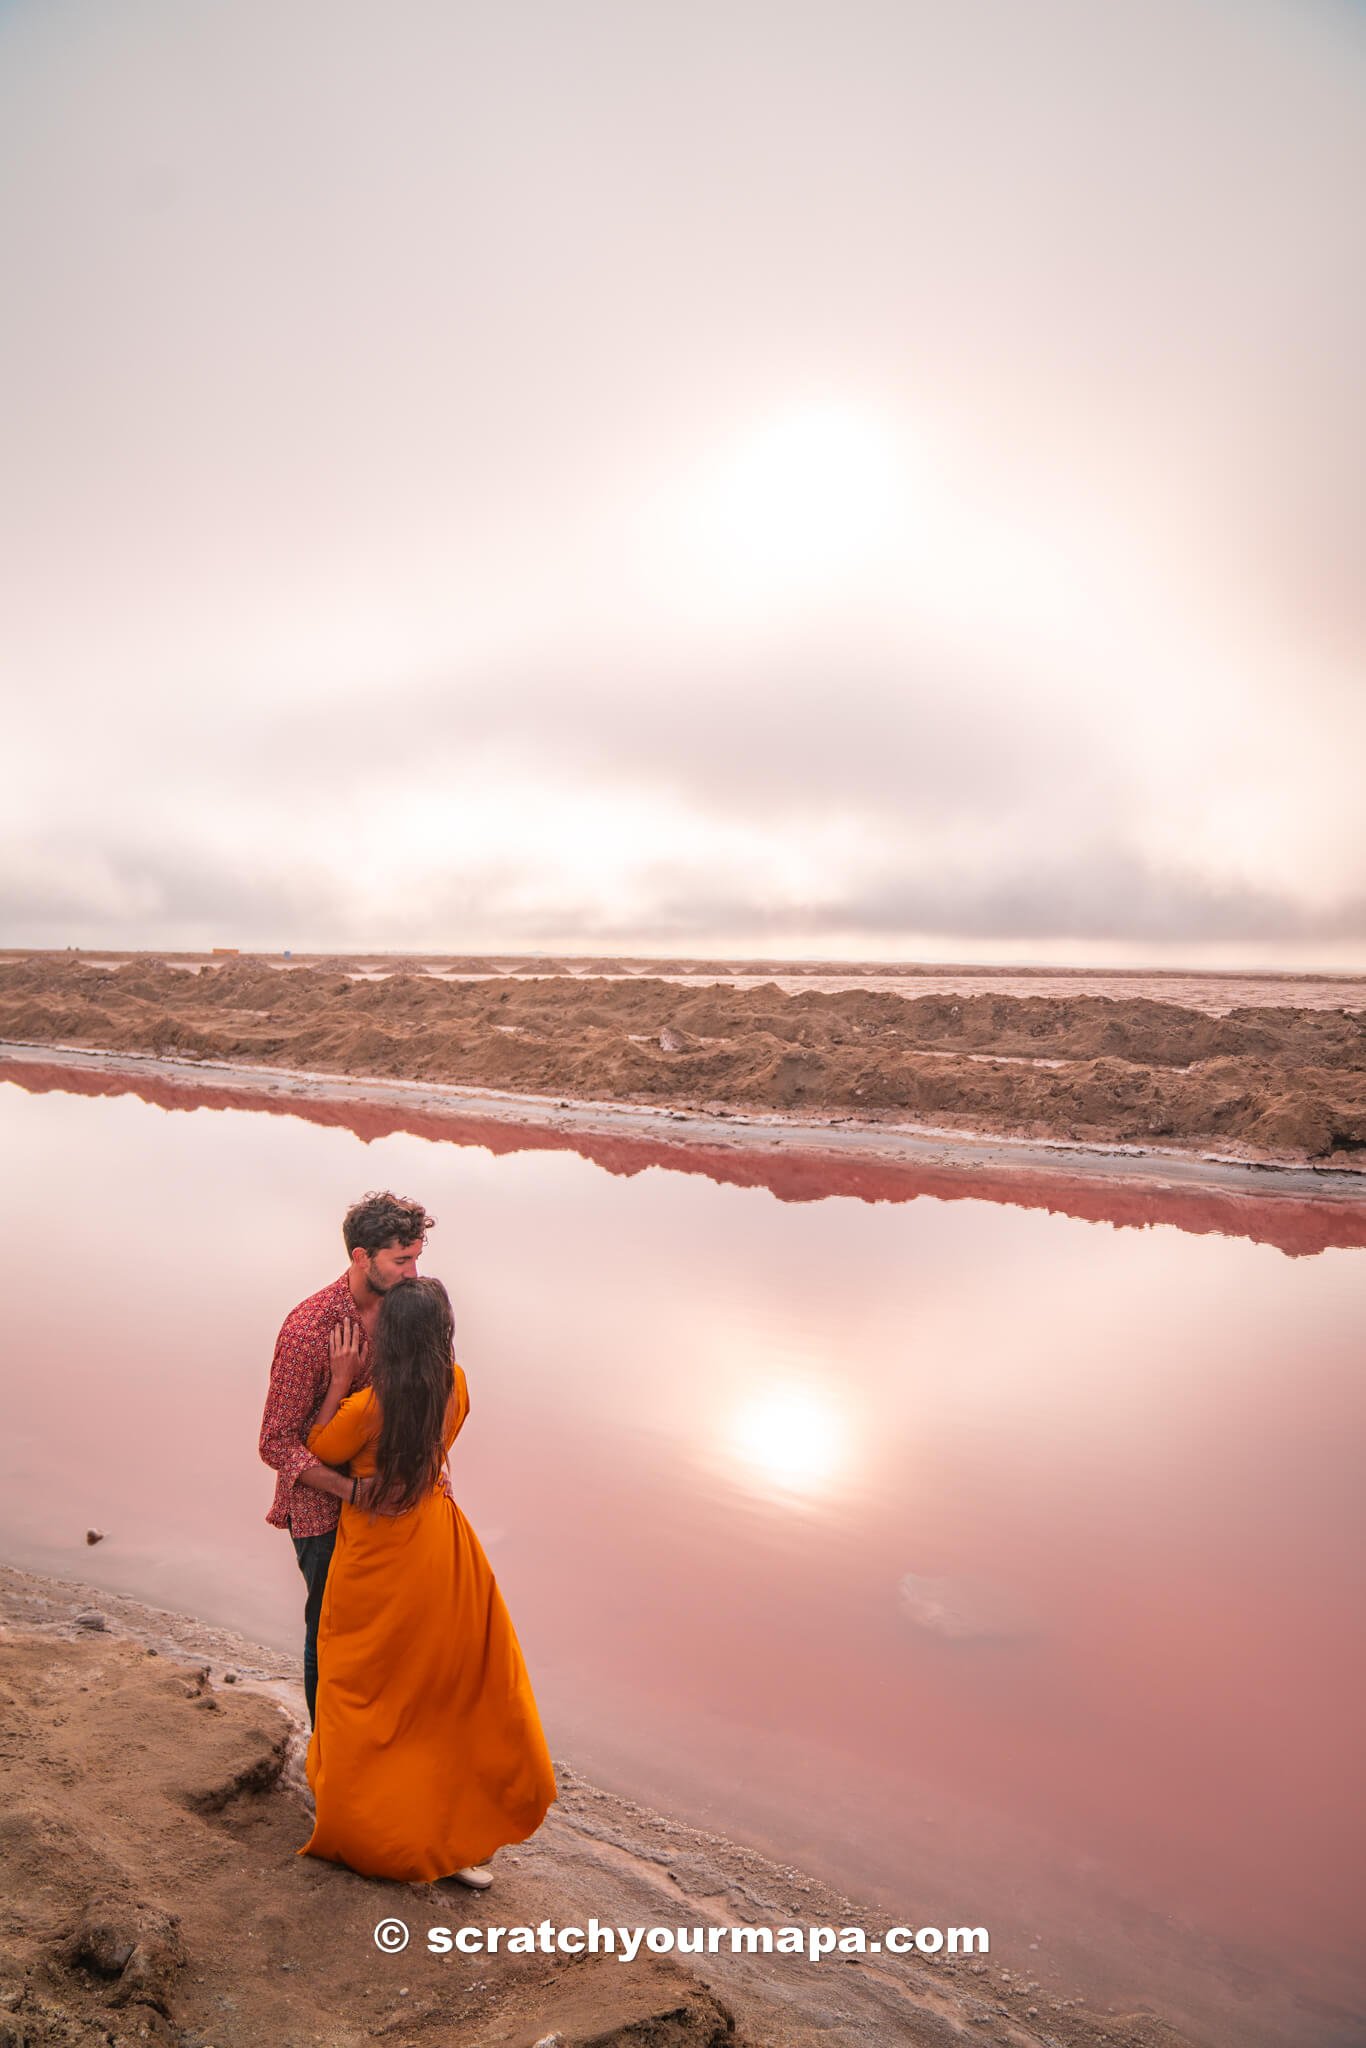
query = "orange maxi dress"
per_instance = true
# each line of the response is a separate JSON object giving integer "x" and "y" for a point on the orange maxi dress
{"x": 428, "y": 1752}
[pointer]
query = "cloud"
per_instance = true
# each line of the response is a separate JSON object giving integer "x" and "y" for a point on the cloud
{"x": 1111, "y": 895}
{"x": 60, "y": 892}
{"x": 777, "y": 733}
{"x": 341, "y": 467}
{"x": 179, "y": 897}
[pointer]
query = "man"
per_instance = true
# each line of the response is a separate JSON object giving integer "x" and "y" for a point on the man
{"x": 384, "y": 1236}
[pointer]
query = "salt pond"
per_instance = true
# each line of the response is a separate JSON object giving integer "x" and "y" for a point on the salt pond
{"x": 1002, "y": 1565}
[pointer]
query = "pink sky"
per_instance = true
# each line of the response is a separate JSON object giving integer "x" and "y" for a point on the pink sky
{"x": 860, "y": 479}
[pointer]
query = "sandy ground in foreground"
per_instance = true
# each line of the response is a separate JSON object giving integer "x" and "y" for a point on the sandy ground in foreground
{"x": 1275, "y": 1082}
{"x": 153, "y": 1802}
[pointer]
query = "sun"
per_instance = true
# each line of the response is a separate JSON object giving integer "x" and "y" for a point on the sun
{"x": 803, "y": 500}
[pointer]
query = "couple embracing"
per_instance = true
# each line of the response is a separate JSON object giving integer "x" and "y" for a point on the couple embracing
{"x": 427, "y": 1753}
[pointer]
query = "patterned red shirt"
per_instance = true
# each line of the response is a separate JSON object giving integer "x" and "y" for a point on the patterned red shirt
{"x": 299, "y": 1376}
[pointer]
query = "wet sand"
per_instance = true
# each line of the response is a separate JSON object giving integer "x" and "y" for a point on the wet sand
{"x": 1277, "y": 1082}
{"x": 153, "y": 1787}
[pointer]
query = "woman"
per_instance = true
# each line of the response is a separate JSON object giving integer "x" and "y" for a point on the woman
{"x": 428, "y": 1752}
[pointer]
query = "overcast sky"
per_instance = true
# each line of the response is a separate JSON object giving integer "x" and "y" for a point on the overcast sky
{"x": 844, "y": 477}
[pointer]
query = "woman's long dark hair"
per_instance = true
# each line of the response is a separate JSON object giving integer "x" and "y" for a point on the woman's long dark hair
{"x": 412, "y": 1372}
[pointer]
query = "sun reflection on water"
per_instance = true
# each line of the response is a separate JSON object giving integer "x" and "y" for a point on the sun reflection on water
{"x": 790, "y": 1441}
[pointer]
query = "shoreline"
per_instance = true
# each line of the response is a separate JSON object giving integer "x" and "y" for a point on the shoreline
{"x": 770, "y": 1130}
{"x": 598, "y": 1854}
{"x": 993, "y": 1073}
{"x": 1300, "y": 1211}
{"x": 152, "y": 1773}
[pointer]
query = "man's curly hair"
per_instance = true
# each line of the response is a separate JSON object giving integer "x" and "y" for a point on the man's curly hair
{"x": 381, "y": 1219}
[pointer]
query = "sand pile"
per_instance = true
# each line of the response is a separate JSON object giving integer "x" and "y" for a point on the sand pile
{"x": 1277, "y": 1083}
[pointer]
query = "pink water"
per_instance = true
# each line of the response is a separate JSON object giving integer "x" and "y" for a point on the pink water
{"x": 1001, "y": 1565}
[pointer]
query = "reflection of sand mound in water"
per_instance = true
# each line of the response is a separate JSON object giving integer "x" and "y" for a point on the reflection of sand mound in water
{"x": 1298, "y": 1225}
{"x": 1277, "y": 1083}
{"x": 963, "y": 1611}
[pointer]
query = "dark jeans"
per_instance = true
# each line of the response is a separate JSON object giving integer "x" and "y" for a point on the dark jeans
{"x": 315, "y": 1555}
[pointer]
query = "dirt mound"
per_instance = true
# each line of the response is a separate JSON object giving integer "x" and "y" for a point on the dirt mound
{"x": 1276, "y": 1083}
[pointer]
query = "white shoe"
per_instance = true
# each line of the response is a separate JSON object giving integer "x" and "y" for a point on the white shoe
{"x": 477, "y": 1880}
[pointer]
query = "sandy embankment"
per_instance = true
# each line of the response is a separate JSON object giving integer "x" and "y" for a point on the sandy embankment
{"x": 152, "y": 1810}
{"x": 1274, "y": 1083}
